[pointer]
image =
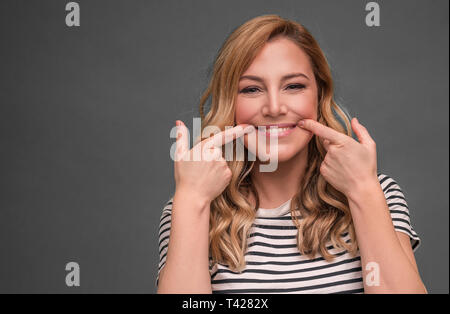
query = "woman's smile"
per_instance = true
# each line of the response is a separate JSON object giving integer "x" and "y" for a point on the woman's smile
{"x": 276, "y": 130}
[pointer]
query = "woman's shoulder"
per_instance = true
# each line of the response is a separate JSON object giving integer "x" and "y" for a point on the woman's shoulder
{"x": 166, "y": 214}
{"x": 392, "y": 191}
{"x": 387, "y": 181}
{"x": 168, "y": 205}
{"x": 398, "y": 208}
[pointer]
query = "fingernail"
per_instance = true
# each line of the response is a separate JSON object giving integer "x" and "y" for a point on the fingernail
{"x": 301, "y": 123}
{"x": 249, "y": 128}
{"x": 178, "y": 129}
{"x": 356, "y": 120}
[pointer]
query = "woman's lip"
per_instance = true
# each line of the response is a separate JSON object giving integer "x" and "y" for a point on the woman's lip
{"x": 278, "y": 134}
{"x": 281, "y": 125}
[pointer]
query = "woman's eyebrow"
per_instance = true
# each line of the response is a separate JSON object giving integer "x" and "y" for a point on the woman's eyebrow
{"x": 285, "y": 77}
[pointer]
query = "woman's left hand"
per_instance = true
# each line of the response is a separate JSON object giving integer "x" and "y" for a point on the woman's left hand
{"x": 348, "y": 165}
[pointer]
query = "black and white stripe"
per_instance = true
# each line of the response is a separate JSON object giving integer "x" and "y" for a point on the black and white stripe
{"x": 274, "y": 264}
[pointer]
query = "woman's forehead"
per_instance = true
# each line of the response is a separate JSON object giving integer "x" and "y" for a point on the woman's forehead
{"x": 277, "y": 59}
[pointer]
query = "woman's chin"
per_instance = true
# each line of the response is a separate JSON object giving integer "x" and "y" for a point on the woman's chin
{"x": 285, "y": 156}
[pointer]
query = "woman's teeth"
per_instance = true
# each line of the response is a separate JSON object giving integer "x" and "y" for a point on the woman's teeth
{"x": 277, "y": 130}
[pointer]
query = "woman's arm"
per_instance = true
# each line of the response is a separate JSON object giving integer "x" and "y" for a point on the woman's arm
{"x": 187, "y": 264}
{"x": 198, "y": 181}
{"x": 378, "y": 242}
{"x": 350, "y": 166}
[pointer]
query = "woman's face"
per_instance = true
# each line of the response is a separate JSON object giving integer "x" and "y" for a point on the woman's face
{"x": 278, "y": 88}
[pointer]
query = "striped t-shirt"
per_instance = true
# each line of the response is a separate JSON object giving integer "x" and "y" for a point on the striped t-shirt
{"x": 274, "y": 263}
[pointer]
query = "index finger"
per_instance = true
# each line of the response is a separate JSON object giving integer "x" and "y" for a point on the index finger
{"x": 229, "y": 135}
{"x": 321, "y": 130}
{"x": 182, "y": 142}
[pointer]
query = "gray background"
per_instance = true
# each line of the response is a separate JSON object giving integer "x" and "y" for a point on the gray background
{"x": 86, "y": 112}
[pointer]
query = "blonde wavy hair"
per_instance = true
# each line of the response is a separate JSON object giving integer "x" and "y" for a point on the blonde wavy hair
{"x": 324, "y": 210}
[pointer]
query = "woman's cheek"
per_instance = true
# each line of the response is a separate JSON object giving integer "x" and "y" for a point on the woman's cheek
{"x": 243, "y": 113}
{"x": 304, "y": 109}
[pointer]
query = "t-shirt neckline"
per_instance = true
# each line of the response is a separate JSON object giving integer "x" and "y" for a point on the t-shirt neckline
{"x": 274, "y": 212}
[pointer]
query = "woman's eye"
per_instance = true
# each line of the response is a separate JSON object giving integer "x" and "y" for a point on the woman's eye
{"x": 252, "y": 90}
{"x": 296, "y": 86}
{"x": 249, "y": 90}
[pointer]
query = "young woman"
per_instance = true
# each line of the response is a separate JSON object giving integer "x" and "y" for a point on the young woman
{"x": 325, "y": 221}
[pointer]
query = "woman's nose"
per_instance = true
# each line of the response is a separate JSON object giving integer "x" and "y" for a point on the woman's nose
{"x": 274, "y": 106}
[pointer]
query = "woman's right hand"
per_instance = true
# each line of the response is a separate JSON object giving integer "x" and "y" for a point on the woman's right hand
{"x": 207, "y": 175}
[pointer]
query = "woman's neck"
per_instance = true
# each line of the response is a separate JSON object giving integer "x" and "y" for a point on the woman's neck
{"x": 275, "y": 188}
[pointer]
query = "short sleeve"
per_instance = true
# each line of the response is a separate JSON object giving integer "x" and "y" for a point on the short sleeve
{"x": 398, "y": 209}
{"x": 164, "y": 233}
